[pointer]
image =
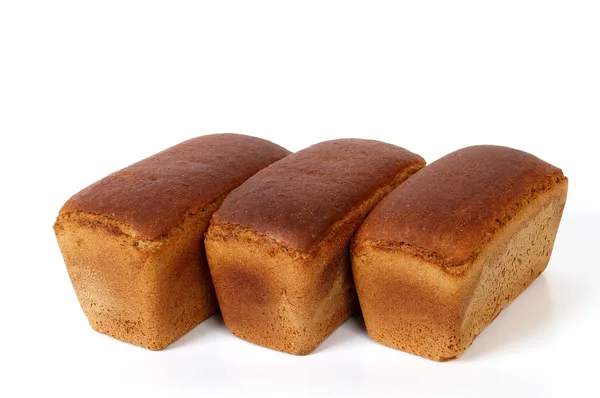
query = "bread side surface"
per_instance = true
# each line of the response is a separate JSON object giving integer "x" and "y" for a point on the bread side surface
{"x": 279, "y": 296}
{"x": 297, "y": 200}
{"x": 449, "y": 210}
{"x": 133, "y": 242}
{"x": 411, "y": 304}
{"x": 155, "y": 194}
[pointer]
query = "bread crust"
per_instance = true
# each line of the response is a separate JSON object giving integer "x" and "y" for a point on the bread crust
{"x": 158, "y": 193}
{"x": 278, "y": 246}
{"x": 132, "y": 242}
{"x": 413, "y": 294}
{"x": 450, "y": 209}
{"x": 298, "y": 200}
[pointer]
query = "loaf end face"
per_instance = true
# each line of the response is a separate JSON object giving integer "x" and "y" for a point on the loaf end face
{"x": 276, "y": 297}
{"x": 147, "y": 293}
{"x": 408, "y": 303}
{"x": 414, "y": 305}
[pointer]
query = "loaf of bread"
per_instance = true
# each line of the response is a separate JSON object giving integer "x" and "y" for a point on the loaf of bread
{"x": 278, "y": 247}
{"x": 445, "y": 252}
{"x": 133, "y": 241}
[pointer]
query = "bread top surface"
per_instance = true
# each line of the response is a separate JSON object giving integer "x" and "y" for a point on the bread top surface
{"x": 297, "y": 200}
{"x": 155, "y": 194}
{"x": 447, "y": 211}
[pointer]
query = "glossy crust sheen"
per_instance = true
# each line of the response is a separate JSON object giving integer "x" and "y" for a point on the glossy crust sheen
{"x": 155, "y": 194}
{"x": 297, "y": 200}
{"x": 448, "y": 210}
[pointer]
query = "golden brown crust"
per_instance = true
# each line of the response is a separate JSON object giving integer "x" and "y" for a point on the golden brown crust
{"x": 298, "y": 200}
{"x": 132, "y": 242}
{"x": 412, "y": 304}
{"x": 157, "y": 193}
{"x": 147, "y": 293}
{"x": 287, "y": 303}
{"x": 280, "y": 286}
{"x": 448, "y": 211}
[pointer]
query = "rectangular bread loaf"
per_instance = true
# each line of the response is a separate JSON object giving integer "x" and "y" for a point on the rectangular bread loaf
{"x": 133, "y": 241}
{"x": 278, "y": 246}
{"x": 441, "y": 255}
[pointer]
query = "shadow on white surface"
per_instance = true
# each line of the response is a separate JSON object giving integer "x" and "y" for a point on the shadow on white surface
{"x": 345, "y": 334}
{"x": 214, "y": 325}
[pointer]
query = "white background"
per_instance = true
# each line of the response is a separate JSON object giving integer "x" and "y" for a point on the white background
{"x": 89, "y": 87}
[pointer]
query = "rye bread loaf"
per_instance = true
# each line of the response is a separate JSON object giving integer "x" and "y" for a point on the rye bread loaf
{"x": 133, "y": 241}
{"x": 278, "y": 247}
{"x": 442, "y": 254}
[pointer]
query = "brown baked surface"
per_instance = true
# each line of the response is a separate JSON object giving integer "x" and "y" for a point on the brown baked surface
{"x": 447, "y": 211}
{"x": 411, "y": 304}
{"x": 439, "y": 257}
{"x": 297, "y": 200}
{"x": 278, "y": 247}
{"x": 147, "y": 293}
{"x": 157, "y": 193}
{"x": 133, "y": 242}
